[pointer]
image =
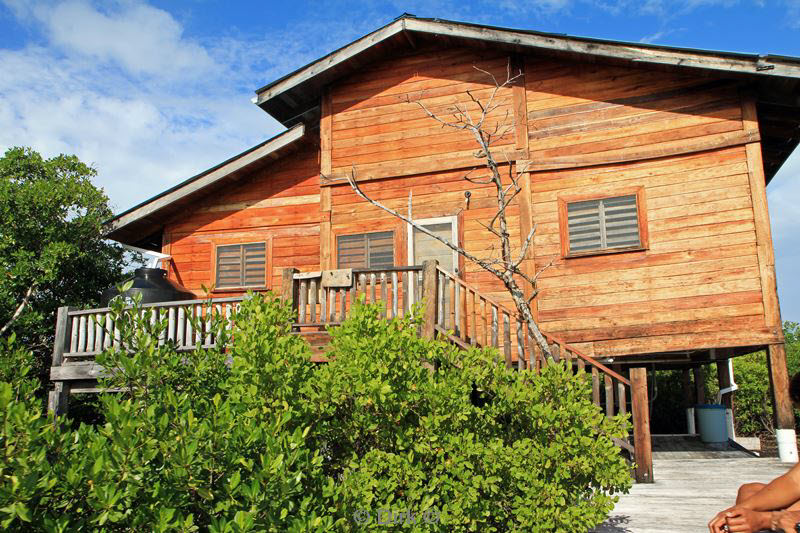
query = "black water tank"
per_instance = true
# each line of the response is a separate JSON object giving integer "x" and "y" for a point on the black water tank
{"x": 153, "y": 285}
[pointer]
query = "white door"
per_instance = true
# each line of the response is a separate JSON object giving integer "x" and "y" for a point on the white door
{"x": 422, "y": 247}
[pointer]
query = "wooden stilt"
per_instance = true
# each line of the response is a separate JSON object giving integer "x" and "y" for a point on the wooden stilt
{"x": 782, "y": 403}
{"x": 779, "y": 378}
{"x": 700, "y": 384}
{"x": 643, "y": 455}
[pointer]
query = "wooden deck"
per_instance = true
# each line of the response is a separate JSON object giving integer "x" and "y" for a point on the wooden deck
{"x": 687, "y": 493}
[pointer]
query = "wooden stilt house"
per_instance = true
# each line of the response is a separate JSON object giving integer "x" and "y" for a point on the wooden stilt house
{"x": 643, "y": 168}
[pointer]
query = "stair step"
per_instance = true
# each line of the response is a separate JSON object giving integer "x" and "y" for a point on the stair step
{"x": 319, "y": 341}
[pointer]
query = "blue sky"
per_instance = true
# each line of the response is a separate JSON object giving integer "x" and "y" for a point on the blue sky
{"x": 154, "y": 92}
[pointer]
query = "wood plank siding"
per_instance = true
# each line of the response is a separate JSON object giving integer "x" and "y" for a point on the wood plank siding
{"x": 679, "y": 144}
{"x": 278, "y": 204}
{"x": 380, "y": 126}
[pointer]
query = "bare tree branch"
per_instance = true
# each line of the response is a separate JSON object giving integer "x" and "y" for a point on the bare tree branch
{"x": 505, "y": 268}
{"x": 524, "y": 251}
{"x": 20, "y": 308}
{"x": 354, "y": 185}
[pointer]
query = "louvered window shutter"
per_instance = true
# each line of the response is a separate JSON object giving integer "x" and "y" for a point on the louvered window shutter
{"x": 242, "y": 265}
{"x": 621, "y": 222}
{"x": 381, "y": 249}
{"x": 603, "y": 224}
{"x": 365, "y": 250}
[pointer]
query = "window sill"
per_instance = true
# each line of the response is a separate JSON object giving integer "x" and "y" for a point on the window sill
{"x": 605, "y": 252}
{"x": 217, "y": 290}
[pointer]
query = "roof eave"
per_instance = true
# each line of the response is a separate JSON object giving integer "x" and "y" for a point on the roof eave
{"x": 727, "y": 62}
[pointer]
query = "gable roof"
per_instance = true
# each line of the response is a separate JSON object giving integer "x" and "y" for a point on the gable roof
{"x": 141, "y": 225}
{"x": 776, "y": 79}
{"x": 294, "y": 99}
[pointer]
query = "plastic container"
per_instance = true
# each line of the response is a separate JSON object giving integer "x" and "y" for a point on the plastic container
{"x": 712, "y": 424}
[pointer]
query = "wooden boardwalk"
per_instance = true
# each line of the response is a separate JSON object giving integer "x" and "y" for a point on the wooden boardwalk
{"x": 687, "y": 493}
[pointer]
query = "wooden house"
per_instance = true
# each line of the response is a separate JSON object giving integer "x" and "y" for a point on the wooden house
{"x": 644, "y": 169}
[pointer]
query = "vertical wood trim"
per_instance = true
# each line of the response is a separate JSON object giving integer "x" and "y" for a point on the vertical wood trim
{"x": 520, "y": 103}
{"x": 325, "y": 169}
{"x": 758, "y": 193}
{"x": 325, "y": 133}
{"x": 430, "y": 291}
{"x": 525, "y": 225}
{"x": 166, "y": 244}
{"x": 325, "y": 233}
{"x": 643, "y": 451}
{"x": 563, "y": 226}
{"x": 641, "y": 218}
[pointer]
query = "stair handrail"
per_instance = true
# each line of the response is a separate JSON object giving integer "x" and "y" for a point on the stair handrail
{"x": 586, "y": 358}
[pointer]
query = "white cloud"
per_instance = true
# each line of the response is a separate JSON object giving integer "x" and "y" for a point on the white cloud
{"x": 138, "y": 37}
{"x": 540, "y": 6}
{"x": 648, "y": 39}
{"x": 121, "y": 88}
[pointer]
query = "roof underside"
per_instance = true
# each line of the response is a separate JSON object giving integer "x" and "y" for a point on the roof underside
{"x": 775, "y": 79}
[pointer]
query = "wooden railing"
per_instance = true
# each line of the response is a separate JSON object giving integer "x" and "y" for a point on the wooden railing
{"x": 188, "y": 326}
{"x": 469, "y": 318}
{"x": 323, "y": 299}
{"x": 452, "y": 309}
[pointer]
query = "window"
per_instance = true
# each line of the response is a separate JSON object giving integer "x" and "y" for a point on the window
{"x": 241, "y": 265}
{"x": 602, "y": 224}
{"x": 366, "y": 250}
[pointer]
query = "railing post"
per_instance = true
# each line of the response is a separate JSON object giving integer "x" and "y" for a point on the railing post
{"x": 643, "y": 454}
{"x": 58, "y": 398}
{"x": 430, "y": 292}
{"x": 289, "y": 290}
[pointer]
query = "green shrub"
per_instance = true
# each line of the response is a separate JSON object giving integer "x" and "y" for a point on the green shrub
{"x": 252, "y": 437}
{"x": 535, "y": 455}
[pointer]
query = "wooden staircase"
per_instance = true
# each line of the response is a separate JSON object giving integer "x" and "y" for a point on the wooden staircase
{"x": 462, "y": 314}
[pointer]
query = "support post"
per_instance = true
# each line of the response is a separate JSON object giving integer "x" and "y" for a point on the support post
{"x": 782, "y": 404}
{"x": 688, "y": 405}
{"x": 58, "y": 398}
{"x": 776, "y": 352}
{"x": 430, "y": 291}
{"x": 643, "y": 451}
{"x": 699, "y": 384}
{"x": 289, "y": 289}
